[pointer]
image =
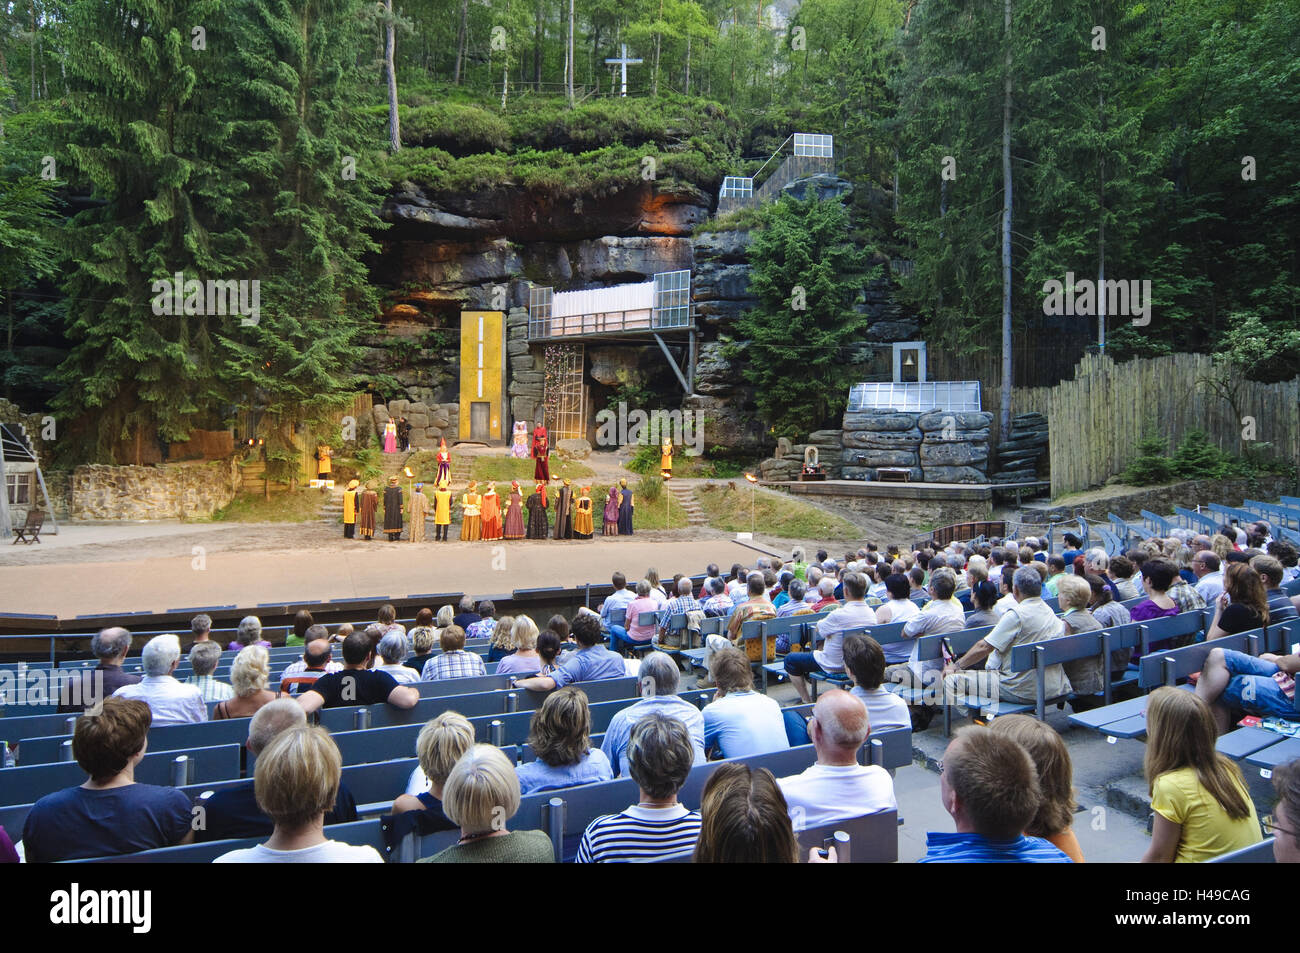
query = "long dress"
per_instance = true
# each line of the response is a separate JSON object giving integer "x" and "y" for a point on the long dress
{"x": 582, "y": 525}
{"x": 611, "y": 512}
{"x": 491, "y": 515}
{"x": 323, "y": 455}
{"x": 419, "y": 510}
{"x": 471, "y": 511}
{"x": 625, "y": 514}
{"x": 366, "y": 519}
{"x": 541, "y": 455}
{"x": 349, "y": 513}
{"x": 393, "y": 512}
{"x": 519, "y": 443}
{"x": 537, "y": 525}
{"x": 444, "y": 466}
{"x": 564, "y": 513}
{"x": 514, "y": 524}
{"x": 390, "y": 437}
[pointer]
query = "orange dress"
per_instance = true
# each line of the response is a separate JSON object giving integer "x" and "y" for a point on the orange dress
{"x": 491, "y": 514}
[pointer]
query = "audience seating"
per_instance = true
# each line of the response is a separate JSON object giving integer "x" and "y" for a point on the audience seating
{"x": 358, "y": 833}
{"x": 1261, "y": 853}
{"x": 219, "y": 762}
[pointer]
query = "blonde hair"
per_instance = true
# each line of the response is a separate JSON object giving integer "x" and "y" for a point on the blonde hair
{"x": 446, "y": 616}
{"x": 1220, "y": 545}
{"x": 250, "y": 671}
{"x": 525, "y": 634}
{"x": 297, "y": 776}
{"x": 1073, "y": 592}
{"x": 482, "y": 791}
{"x": 441, "y": 743}
{"x": 503, "y": 633}
{"x": 422, "y": 639}
{"x": 1181, "y": 734}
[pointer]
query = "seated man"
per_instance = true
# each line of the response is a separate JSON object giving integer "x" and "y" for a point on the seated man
{"x": 990, "y": 787}
{"x": 169, "y": 701}
{"x": 659, "y": 679}
{"x": 1029, "y": 620}
{"x": 718, "y": 602}
{"x": 356, "y": 683}
{"x": 86, "y": 688}
{"x": 233, "y": 812}
{"x": 204, "y": 657}
{"x": 1234, "y": 681}
{"x": 110, "y": 813}
{"x": 837, "y": 787}
{"x": 590, "y": 663}
{"x": 755, "y": 608}
{"x": 660, "y": 754}
{"x": 739, "y": 721}
{"x": 865, "y": 661}
{"x": 854, "y": 614}
{"x": 454, "y": 662}
{"x": 1280, "y": 607}
{"x": 615, "y": 601}
{"x": 317, "y": 660}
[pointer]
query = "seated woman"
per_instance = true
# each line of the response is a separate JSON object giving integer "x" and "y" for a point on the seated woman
{"x": 110, "y": 813}
{"x": 744, "y": 819}
{"x": 1109, "y": 614}
{"x": 502, "y": 639}
{"x": 1157, "y": 576}
{"x": 249, "y": 674}
{"x": 1086, "y": 675}
{"x": 391, "y": 656}
{"x": 248, "y": 633}
{"x": 561, "y": 738}
{"x": 296, "y": 782}
{"x": 548, "y": 651}
{"x": 984, "y": 598}
{"x": 440, "y": 745}
{"x": 1202, "y": 808}
{"x": 1243, "y": 604}
{"x": 1055, "y": 819}
{"x": 899, "y": 608}
{"x": 632, "y": 633}
{"x": 524, "y": 660}
{"x": 423, "y": 638}
{"x": 481, "y": 794}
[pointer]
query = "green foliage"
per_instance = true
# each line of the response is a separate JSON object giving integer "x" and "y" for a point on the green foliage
{"x": 645, "y": 460}
{"x": 807, "y": 276}
{"x": 649, "y": 487}
{"x": 1152, "y": 465}
{"x": 1258, "y": 351}
{"x": 1198, "y": 459}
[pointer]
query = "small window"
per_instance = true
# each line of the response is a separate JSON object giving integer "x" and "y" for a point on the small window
{"x": 19, "y": 487}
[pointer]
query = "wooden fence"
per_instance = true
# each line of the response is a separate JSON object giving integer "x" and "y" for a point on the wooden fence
{"x": 1097, "y": 419}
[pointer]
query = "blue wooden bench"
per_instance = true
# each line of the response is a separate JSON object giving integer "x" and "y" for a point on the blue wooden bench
{"x": 217, "y": 763}
{"x": 1261, "y": 853}
{"x": 358, "y": 833}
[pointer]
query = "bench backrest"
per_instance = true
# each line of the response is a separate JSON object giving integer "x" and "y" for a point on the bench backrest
{"x": 30, "y": 784}
{"x": 1165, "y": 668}
{"x": 358, "y": 833}
{"x": 871, "y": 839}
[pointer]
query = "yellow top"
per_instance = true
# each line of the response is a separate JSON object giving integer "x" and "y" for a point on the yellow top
{"x": 323, "y": 455}
{"x": 442, "y": 506}
{"x": 470, "y": 503}
{"x": 349, "y": 506}
{"x": 1207, "y": 830}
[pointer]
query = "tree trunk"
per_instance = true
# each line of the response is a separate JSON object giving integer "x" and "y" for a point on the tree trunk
{"x": 461, "y": 39}
{"x": 538, "y": 34}
{"x": 33, "y": 48}
{"x": 1101, "y": 231}
{"x": 390, "y": 49}
{"x": 688, "y": 64}
{"x": 573, "y": 66}
{"x": 1004, "y": 422}
{"x": 654, "y": 91}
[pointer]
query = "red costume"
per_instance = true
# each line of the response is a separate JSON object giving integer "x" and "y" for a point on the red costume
{"x": 541, "y": 454}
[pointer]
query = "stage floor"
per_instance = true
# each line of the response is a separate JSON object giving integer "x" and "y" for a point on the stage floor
{"x": 162, "y": 566}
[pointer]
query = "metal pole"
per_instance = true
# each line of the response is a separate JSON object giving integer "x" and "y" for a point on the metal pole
{"x": 497, "y": 732}
{"x": 555, "y": 826}
{"x": 512, "y": 702}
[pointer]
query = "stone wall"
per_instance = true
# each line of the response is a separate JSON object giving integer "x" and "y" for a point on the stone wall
{"x": 429, "y": 422}
{"x": 1161, "y": 500}
{"x": 937, "y": 447}
{"x": 167, "y": 491}
{"x": 789, "y": 459}
{"x": 917, "y": 514}
{"x": 527, "y": 378}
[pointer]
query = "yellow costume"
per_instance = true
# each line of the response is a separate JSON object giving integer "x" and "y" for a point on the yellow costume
{"x": 350, "y": 510}
{"x": 441, "y": 511}
{"x": 419, "y": 510}
{"x": 666, "y": 460}
{"x": 470, "y": 528}
{"x": 583, "y": 527}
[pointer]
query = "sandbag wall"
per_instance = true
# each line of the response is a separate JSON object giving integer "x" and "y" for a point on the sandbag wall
{"x": 938, "y": 446}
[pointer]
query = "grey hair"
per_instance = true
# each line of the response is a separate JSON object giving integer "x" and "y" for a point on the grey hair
{"x": 466, "y": 603}
{"x": 160, "y": 654}
{"x": 717, "y": 586}
{"x": 204, "y": 657}
{"x": 827, "y": 586}
{"x": 763, "y": 563}
{"x": 956, "y": 563}
{"x": 393, "y": 648}
{"x": 685, "y": 586}
{"x": 797, "y": 591}
{"x": 660, "y": 669}
{"x": 1028, "y": 581}
{"x": 797, "y": 554}
{"x": 643, "y": 588}
{"x": 815, "y": 574}
{"x": 446, "y": 616}
{"x": 1097, "y": 557}
{"x": 250, "y": 629}
{"x": 110, "y": 643}
{"x": 201, "y": 624}
{"x": 659, "y": 755}
{"x": 271, "y": 719}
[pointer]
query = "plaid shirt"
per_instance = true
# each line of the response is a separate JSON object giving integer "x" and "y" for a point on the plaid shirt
{"x": 675, "y": 606}
{"x": 1185, "y": 596}
{"x": 213, "y": 690}
{"x": 456, "y": 664}
{"x": 481, "y": 629}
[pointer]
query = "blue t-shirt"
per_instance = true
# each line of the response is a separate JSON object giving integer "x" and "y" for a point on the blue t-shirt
{"x": 745, "y": 723}
{"x": 77, "y": 822}
{"x": 537, "y": 775}
{"x": 978, "y": 849}
{"x": 587, "y": 665}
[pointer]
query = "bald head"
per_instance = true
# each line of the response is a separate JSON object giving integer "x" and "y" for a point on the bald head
{"x": 841, "y": 728}
{"x": 271, "y": 719}
{"x": 316, "y": 652}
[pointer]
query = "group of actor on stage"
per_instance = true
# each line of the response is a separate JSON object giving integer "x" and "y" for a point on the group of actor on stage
{"x": 481, "y": 513}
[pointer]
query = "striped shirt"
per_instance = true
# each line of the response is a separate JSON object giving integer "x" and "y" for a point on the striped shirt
{"x": 213, "y": 690}
{"x": 639, "y": 833}
{"x": 978, "y": 849}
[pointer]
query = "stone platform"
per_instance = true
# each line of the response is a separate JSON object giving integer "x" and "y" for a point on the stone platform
{"x": 935, "y": 504}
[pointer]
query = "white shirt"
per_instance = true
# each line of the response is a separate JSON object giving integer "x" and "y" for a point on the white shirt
{"x": 900, "y": 610}
{"x": 1210, "y": 586}
{"x": 300, "y": 666}
{"x": 170, "y": 701}
{"x": 402, "y": 674}
{"x": 745, "y": 723}
{"x": 851, "y": 615}
{"x": 825, "y": 793}
{"x": 330, "y": 852}
{"x": 884, "y": 708}
{"x": 1005, "y": 603}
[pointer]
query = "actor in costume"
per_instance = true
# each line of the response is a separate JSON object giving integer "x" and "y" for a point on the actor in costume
{"x": 541, "y": 454}
{"x": 323, "y": 455}
{"x": 444, "y": 462}
{"x": 624, "y": 509}
{"x": 393, "y": 511}
{"x": 519, "y": 441}
{"x": 564, "y": 512}
{"x": 537, "y": 523}
{"x": 419, "y": 510}
{"x": 366, "y": 518}
{"x": 491, "y": 513}
{"x": 666, "y": 459}
{"x": 470, "y": 513}
{"x": 350, "y": 510}
{"x": 611, "y": 512}
{"x": 514, "y": 523}
{"x": 441, "y": 512}
{"x": 390, "y": 437}
{"x": 404, "y": 434}
{"x": 583, "y": 527}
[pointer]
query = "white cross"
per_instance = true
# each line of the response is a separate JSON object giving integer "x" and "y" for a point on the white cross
{"x": 623, "y": 63}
